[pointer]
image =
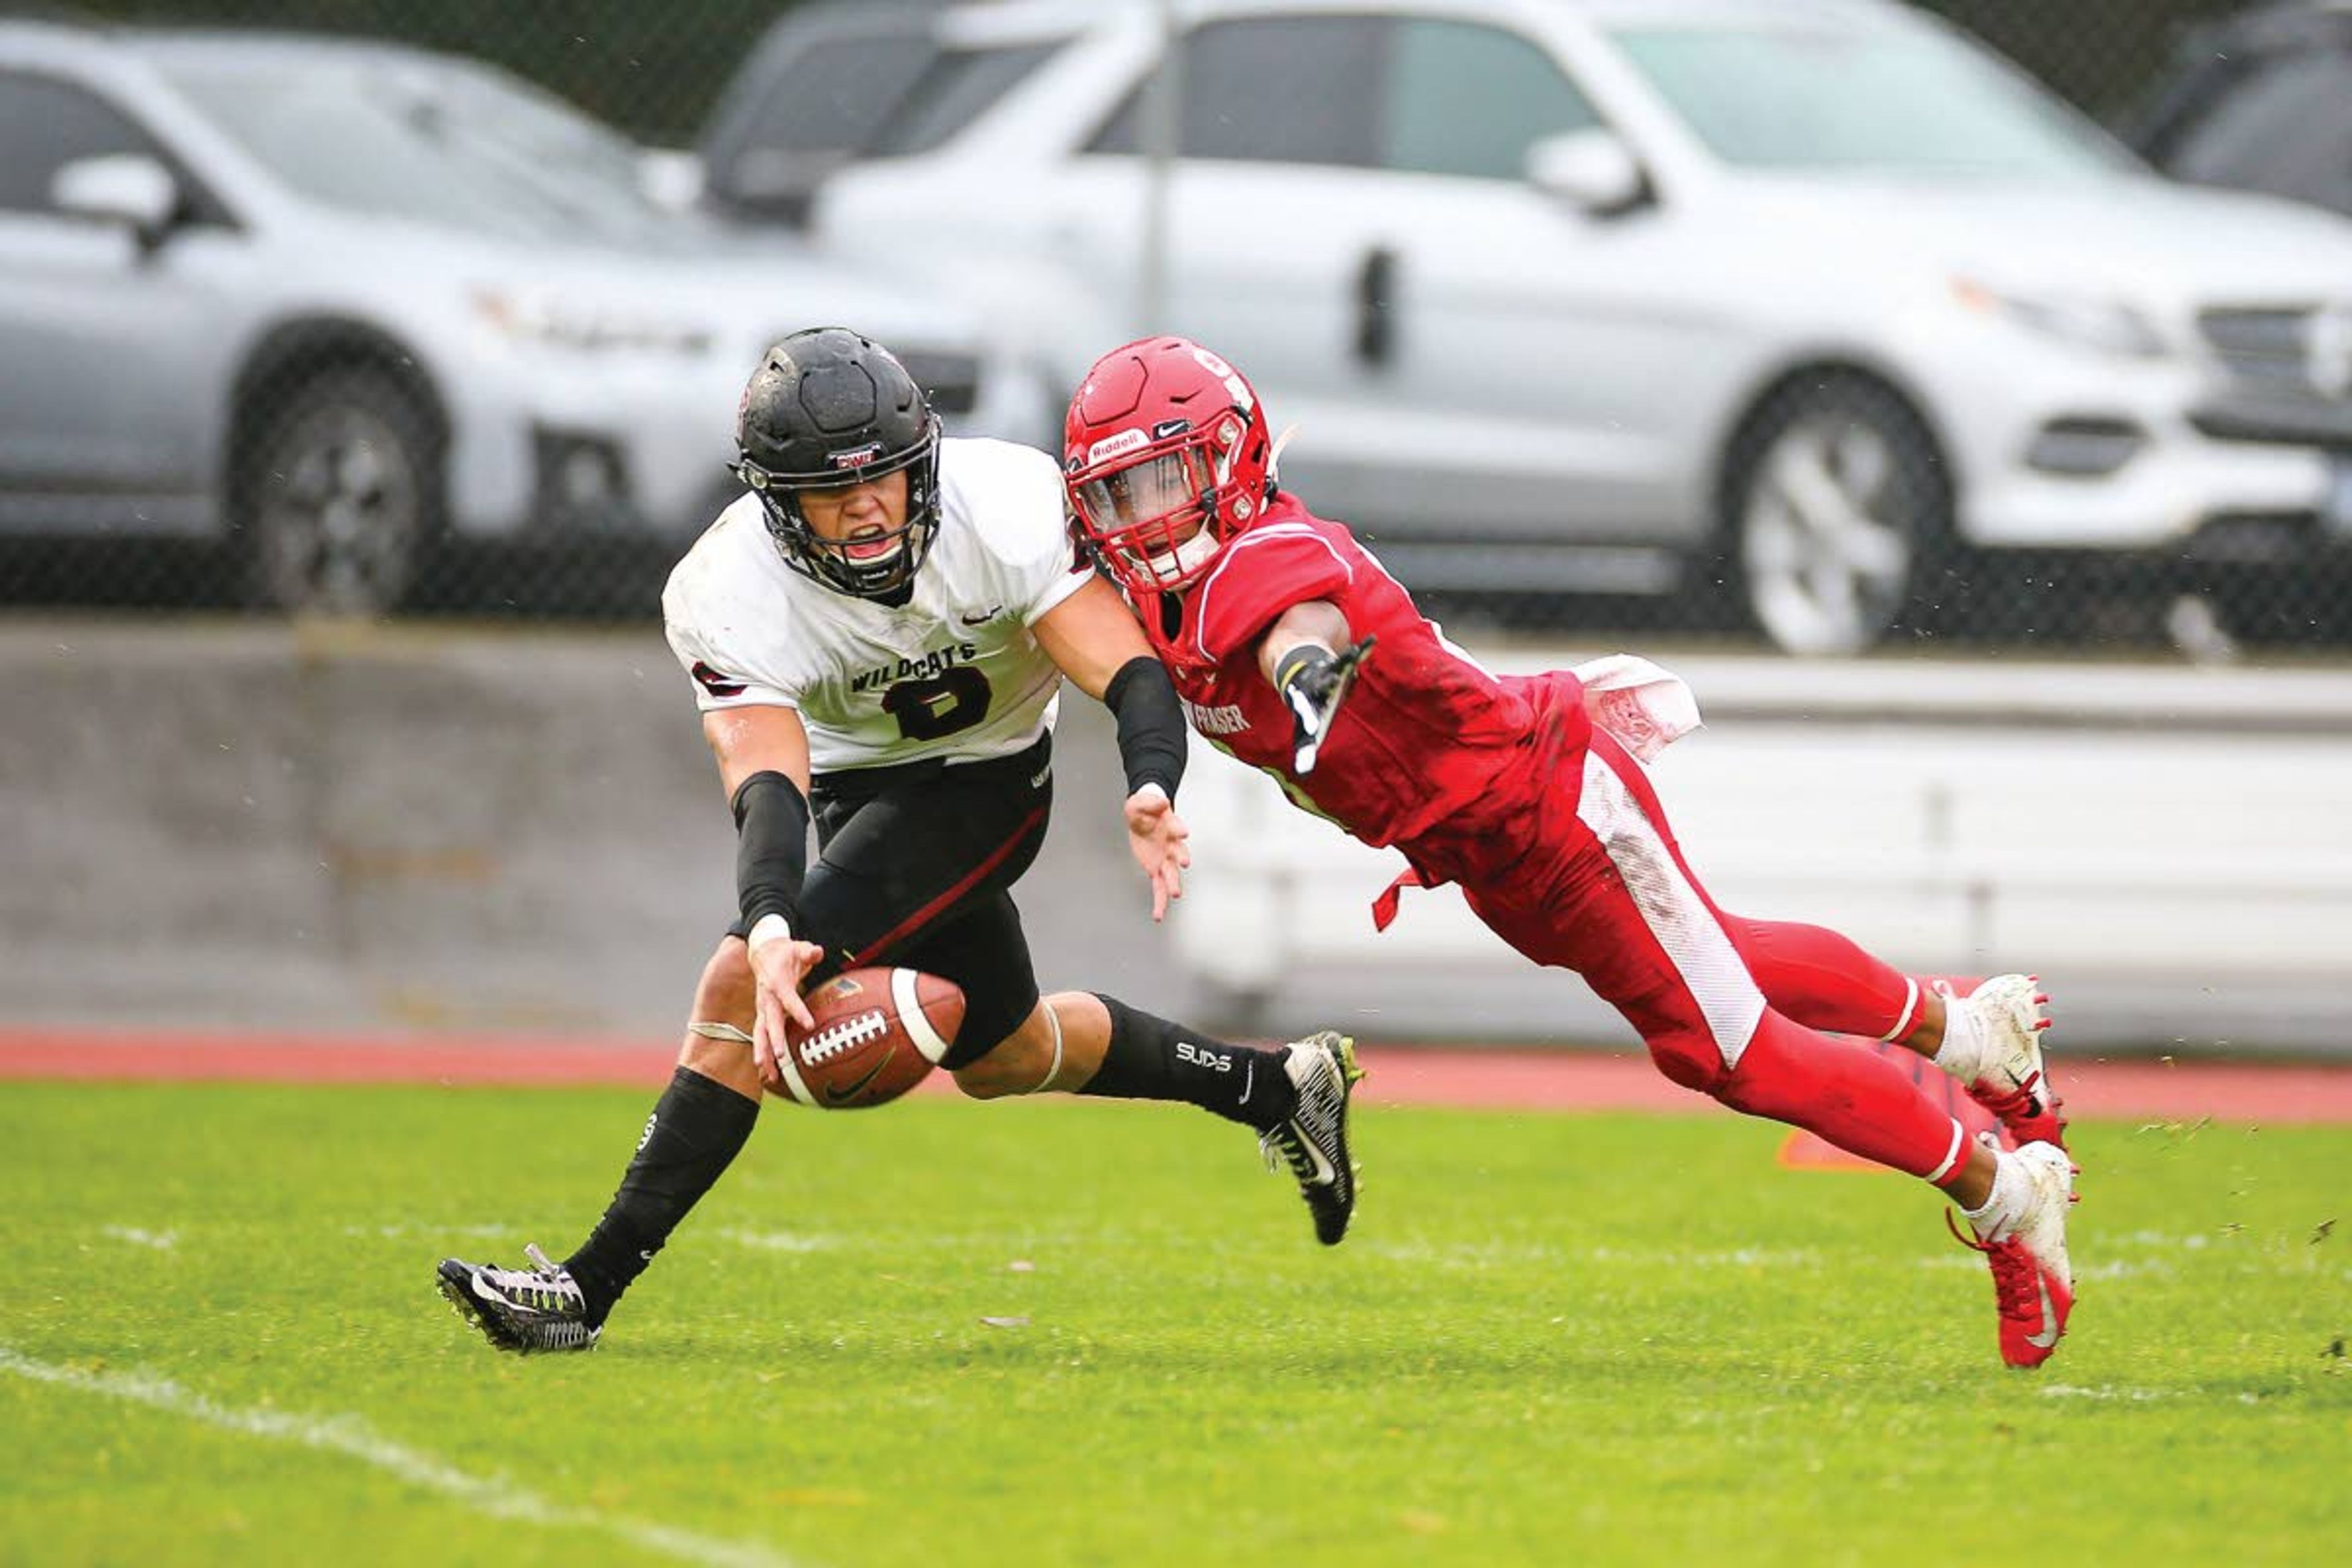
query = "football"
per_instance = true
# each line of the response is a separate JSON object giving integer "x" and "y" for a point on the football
{"x": 879, "y": 1032}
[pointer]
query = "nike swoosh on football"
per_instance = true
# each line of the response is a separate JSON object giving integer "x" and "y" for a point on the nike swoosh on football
{"x": 843, "y": 1096}
{"x": 2049, "y": 1334}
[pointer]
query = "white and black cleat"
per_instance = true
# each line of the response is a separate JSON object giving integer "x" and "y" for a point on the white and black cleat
{"x": 523, "y": 1312}
{"x": 1314, "y": 1139}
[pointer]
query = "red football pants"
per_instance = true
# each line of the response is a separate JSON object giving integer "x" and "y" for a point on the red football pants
{"x": 1731, "y": 1007}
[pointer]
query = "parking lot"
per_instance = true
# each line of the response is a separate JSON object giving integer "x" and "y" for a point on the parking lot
{"x": 1977, "y": 377}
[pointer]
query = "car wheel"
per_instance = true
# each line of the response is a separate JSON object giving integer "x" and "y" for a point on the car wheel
{"x": 1835, "y": 508}
{"x": 337, "y": 496}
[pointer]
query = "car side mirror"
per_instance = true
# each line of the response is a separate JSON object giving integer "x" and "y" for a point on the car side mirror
{"x": 127, "y": 188}
{"x": 1591, "y": 170}
{"x": 770, "y": 185}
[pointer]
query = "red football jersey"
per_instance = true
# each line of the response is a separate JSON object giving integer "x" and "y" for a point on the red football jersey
{"x": 1430, "y": 753}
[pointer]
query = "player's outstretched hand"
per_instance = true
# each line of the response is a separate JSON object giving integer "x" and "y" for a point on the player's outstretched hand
{"x": 1157, "y": 835}
{"x": 777, "y": 969}
{"x": 1314, "y": 683}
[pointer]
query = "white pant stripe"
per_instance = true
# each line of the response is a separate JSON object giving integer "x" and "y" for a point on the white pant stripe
{"x": 1907, "y": 1019}
{"x": 1693, "y": 938}
{"x": 1951, "y": 1156}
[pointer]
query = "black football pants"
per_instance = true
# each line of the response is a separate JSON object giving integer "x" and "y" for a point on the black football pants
{"x": 915, "y": 868}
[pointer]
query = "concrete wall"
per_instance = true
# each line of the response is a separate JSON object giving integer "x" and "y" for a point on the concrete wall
{"x": 216, "y": 825}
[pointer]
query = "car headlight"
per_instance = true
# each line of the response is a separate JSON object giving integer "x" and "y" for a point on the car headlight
{"x": 533, "y": 320}
{"x": 2085, "y": 320}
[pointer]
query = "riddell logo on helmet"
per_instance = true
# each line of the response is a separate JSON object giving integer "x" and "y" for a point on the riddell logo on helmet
{"x": 1127, "y": 440}
{"x": 856, "y": 456}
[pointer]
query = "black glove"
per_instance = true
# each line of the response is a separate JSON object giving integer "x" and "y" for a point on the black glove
{"x": 1314, "y": 683}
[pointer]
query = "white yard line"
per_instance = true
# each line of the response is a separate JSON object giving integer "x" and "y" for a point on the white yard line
{"x": 350, "y": 1436}
{"x": 161, "y": 1240}
{"x": 777, "y": 1241}
{"x": 2105, "y": 1391}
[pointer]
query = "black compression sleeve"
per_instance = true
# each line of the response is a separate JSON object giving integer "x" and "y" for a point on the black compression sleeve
{"x": 772, "y": 820}
{"x": 1150, "y": 724}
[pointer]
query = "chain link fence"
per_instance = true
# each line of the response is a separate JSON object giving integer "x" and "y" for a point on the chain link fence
{"x": 316, "y": 374}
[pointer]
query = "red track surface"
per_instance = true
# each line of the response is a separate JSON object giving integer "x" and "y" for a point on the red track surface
{"x": 1401, "y": 1075}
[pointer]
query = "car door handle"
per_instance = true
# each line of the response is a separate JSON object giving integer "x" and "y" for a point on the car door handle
{"x": 1376, "y": 306}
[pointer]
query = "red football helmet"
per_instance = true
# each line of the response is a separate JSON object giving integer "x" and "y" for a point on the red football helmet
{"x": 1165, "y": 455}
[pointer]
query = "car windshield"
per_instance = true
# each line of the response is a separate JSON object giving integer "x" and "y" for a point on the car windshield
{"x": 448, "y": 144}
{"x": 1793, "y": 97}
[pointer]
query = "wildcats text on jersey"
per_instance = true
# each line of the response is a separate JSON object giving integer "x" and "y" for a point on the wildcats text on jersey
{"x": 936, "y": 662}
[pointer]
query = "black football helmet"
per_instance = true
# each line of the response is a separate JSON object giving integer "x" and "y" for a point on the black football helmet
{"x": 825, "y": 409}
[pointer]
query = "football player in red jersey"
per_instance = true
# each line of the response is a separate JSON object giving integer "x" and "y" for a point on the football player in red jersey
{"x": 1294, "y": 651}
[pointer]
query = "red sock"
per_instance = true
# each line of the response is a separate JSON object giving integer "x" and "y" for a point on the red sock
{"x": 1824, "y": 981}
{"x": 1846, "y": 1094}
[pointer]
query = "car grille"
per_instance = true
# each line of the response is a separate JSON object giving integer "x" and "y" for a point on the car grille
{"x": 951, "y": 381}
{"x": 2272, "y": 349}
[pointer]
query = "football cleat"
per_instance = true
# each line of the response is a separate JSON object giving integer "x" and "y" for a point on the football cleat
{"x": 2032, "y": 1282}
{"x": 1314, "y": 1141}
{"x": 2013, "y": 1084}
{"x": 524, "y": 1311}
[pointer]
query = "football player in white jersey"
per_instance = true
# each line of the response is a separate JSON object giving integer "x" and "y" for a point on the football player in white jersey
{"x": 877, "y": 632}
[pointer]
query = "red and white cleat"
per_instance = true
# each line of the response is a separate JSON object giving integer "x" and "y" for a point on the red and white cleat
{"x": 2011, "y": 1012}
{"x": 2032, "y": 1282}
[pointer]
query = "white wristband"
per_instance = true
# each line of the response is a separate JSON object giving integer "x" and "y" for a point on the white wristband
{"x": 768, "y": 929}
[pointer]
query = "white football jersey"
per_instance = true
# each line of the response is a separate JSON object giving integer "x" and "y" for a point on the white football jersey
{"x": 954, "y": 674}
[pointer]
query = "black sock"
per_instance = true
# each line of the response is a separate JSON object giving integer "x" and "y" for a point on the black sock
{"x": 1151, "y": 1058}
{"x": 697, "y": 1129}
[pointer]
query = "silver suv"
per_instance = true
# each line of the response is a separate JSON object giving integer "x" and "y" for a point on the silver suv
{"x": 1814, "y": 297}
{"x": 329, "y": 301}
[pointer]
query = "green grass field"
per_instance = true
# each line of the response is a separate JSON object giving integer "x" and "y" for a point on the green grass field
{"x": 1052, "y": 1334}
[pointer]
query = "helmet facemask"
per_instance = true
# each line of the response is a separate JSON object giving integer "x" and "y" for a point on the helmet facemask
{"x": 1157, "y": 518}
{"x": 826, "y": 410}
{"x": 870, "y": 573}
{"x": 1164, "y": 456}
